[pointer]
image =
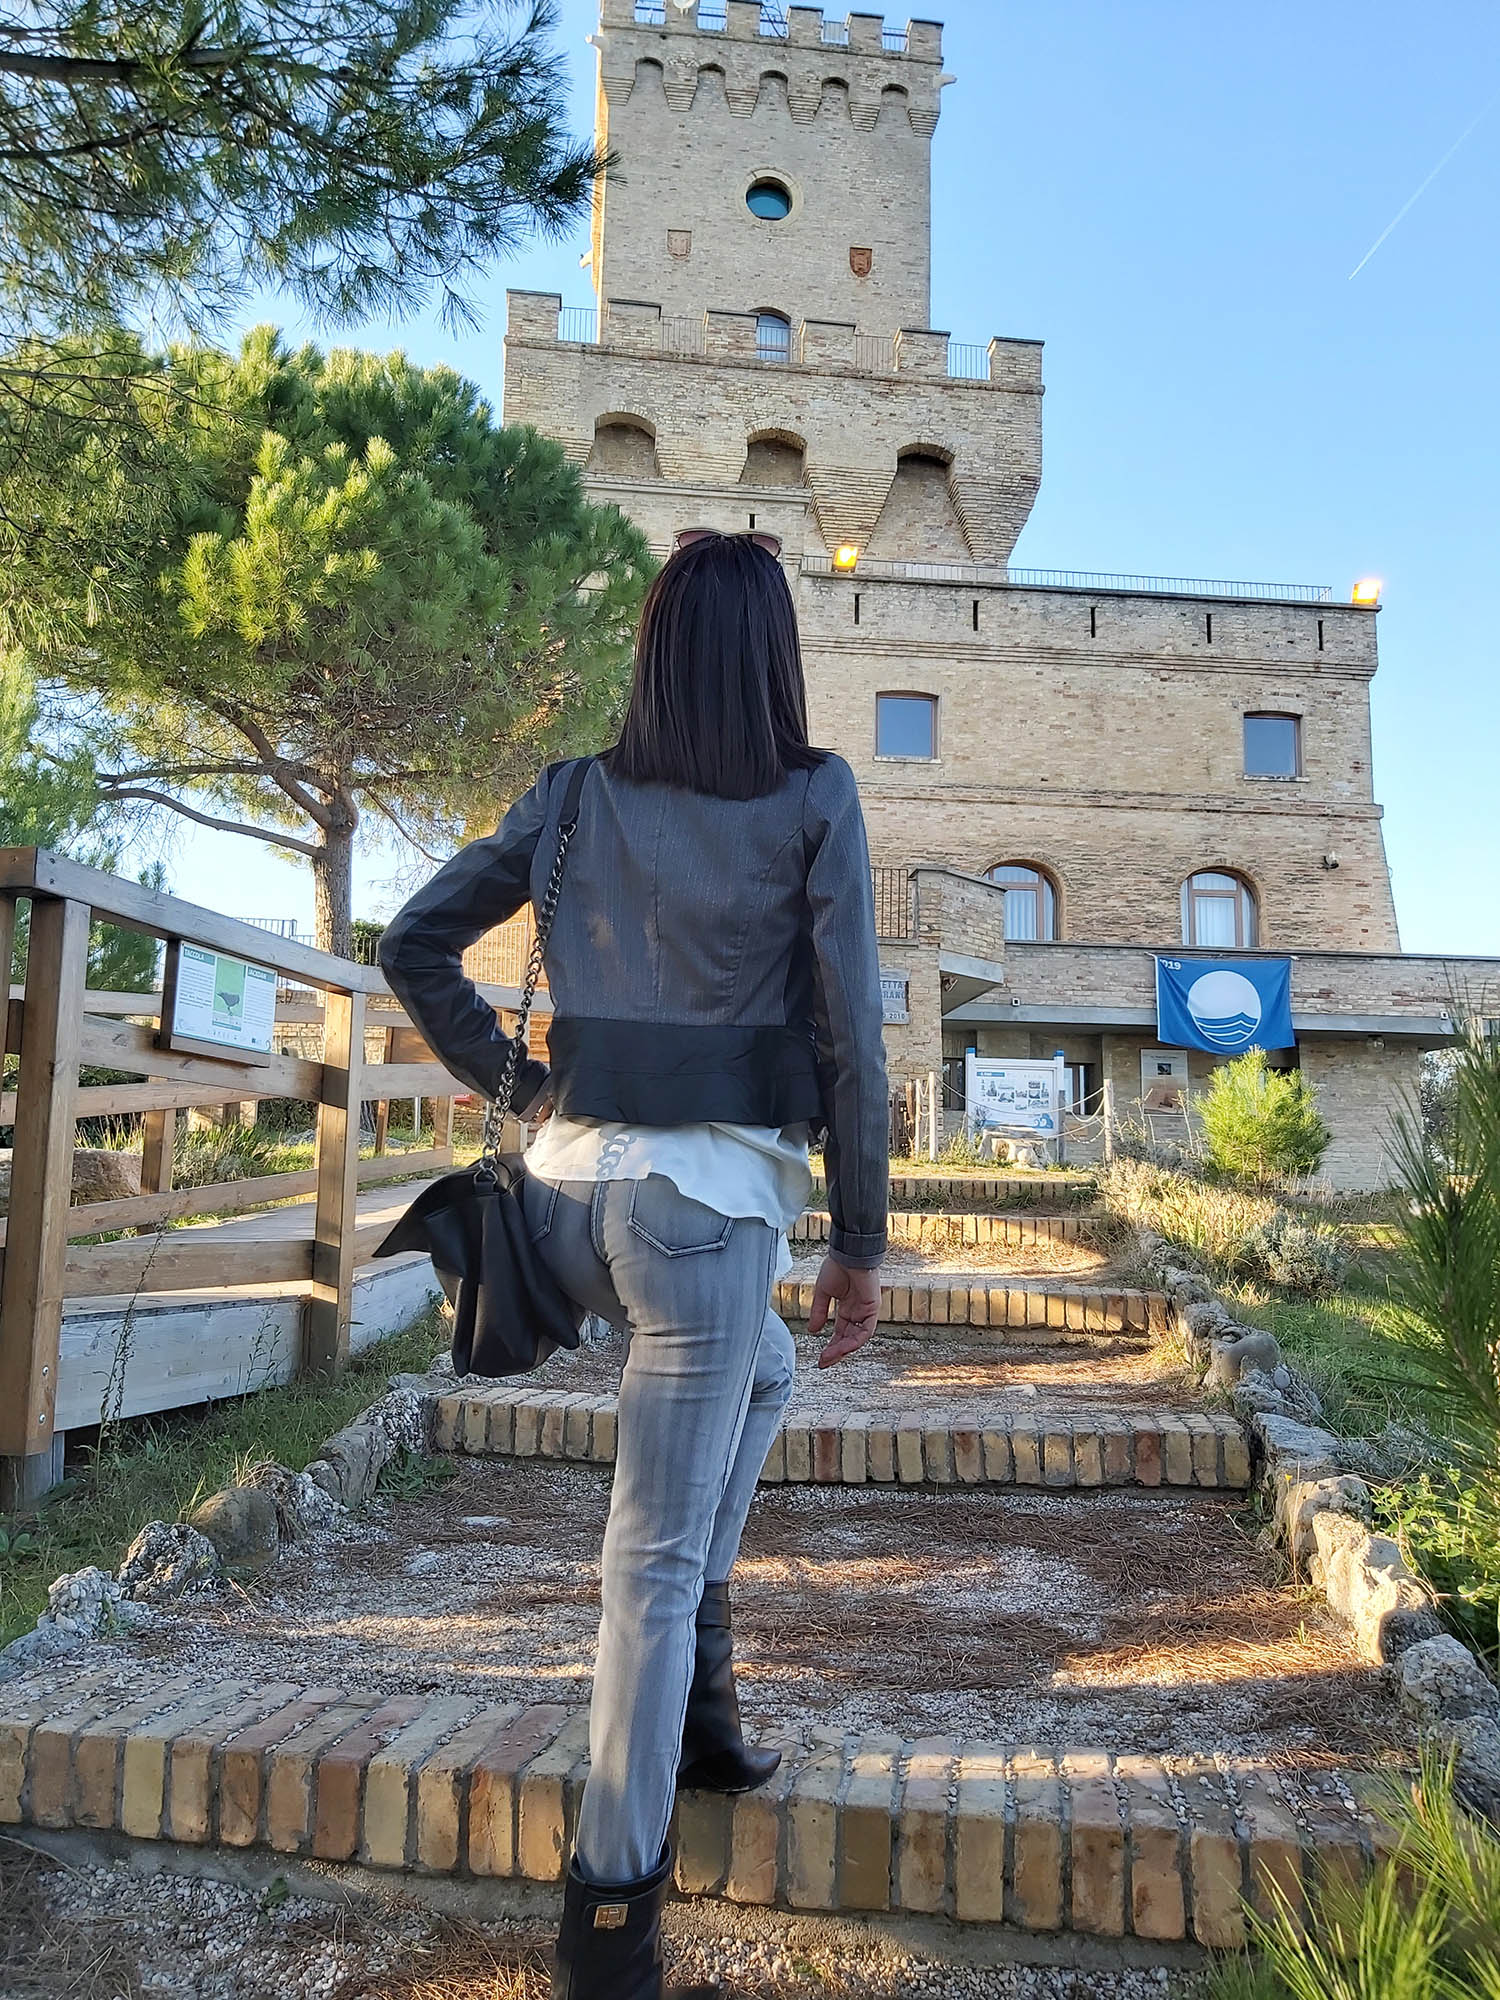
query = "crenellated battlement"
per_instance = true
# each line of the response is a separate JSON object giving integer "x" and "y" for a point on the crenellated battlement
{"x": 814, "y": 64}
{"x": 769, "y": 22}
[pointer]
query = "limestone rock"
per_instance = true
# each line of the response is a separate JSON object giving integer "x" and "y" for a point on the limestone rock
{"x": 1231, "y": 1355}
{"x": 1256, "y": 1395}
{"x": 39, "y": 1647}
{"x": 1298, "y": 1449}
{"x": 322, "y": 1475}
{"x": 1209, "y": 1320}
{"x": 1298, "y": 1503}
{"x": 168, "y": 1559}
{"x": 356, "y": 1455}
{"x": 241, "y": 1523}
{"x": 405, "y": 1413}
{"x": 82, "y": 1601}
{"x": 99, "y": 1174}
{"x": 1370, "y": 1588}
{"x": 1476, "y": 1738}
{"x": 1441, "y": 1681}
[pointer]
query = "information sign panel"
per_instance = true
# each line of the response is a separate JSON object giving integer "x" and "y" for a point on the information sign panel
{"x": 216, "y": 1005}
{"x": 1012, "y": 1096}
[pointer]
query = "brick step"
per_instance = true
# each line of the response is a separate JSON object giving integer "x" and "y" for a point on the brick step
{"x": 957, "y": 1227}
{"x": 1080, "y": 1840}
{"x": 1049, "y": 1313}
{"x": 1081, "y": 1448}
{"x": 1056, "y": 1192}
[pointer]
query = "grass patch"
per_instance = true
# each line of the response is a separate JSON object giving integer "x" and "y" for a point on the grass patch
{"x": 158, "y": 1468}
{"x": 1350, "y": 1347}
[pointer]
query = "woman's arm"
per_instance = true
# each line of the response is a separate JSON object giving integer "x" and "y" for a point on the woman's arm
{"x": 851, "y": 1044}
{"x": 421, "y": 951}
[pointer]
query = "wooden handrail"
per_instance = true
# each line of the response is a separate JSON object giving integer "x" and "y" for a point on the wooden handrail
{"x": 37, "y": 871}
{"x": 55, "y": 1025}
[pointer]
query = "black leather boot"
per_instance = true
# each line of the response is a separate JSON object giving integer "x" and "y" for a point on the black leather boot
{"x": 609, "y": 1946}
{"x": 715, "y": 1755}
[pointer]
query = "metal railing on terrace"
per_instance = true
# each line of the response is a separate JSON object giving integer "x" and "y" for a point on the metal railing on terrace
{"x": 1078, "y": 579}
{"x": 874, "y": 353}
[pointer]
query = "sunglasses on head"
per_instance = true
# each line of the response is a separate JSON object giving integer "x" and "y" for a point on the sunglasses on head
{"x": 770, "y": 543}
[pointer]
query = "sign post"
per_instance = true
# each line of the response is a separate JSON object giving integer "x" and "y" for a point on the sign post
{"x": 215, "y": 1005}
{"x": 1012, "y": 1096}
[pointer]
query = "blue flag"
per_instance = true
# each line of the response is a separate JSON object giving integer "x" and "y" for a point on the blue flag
{"x": 1224, "y": 1005}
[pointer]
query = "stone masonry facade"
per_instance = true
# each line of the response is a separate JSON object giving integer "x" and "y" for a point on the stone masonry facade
{"x": 776, "y": 370}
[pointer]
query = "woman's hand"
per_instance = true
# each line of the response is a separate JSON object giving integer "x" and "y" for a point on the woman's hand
{"x": 855, "y": 1296}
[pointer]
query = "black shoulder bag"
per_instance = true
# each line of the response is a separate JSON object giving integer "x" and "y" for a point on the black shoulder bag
{"x": 509, "y": 1312}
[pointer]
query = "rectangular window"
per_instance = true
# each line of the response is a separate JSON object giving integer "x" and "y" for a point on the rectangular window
{"x": 1273, "y": 746}
{"x": 906, "y": 725}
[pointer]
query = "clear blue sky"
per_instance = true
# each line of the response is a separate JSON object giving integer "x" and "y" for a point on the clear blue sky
{"x": 1173, "y": 196}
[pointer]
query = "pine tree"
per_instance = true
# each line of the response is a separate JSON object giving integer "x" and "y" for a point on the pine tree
{"x": 357, "y": 594}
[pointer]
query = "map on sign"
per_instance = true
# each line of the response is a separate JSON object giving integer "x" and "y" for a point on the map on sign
{"x": 222, "y": 1002}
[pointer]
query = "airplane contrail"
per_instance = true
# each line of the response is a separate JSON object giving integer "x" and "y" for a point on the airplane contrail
{"x": 1410, "y": 204}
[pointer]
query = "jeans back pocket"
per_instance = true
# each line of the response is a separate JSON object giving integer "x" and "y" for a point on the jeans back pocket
{"x": 672, "y": 1222}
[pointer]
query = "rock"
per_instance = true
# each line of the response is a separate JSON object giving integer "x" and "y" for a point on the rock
{"x": 241, "y": 1523}
{"x": 325, "y": 1478}
{"x": 1370, "y": 1588}
{"x": 45, "y": 1642}
{"x": 302, "y": 1505}
{"x": 356, "y": 1455}
{"x": 1255, "y": 1395}
{"x": 405, "y": 1413}
{"x": 1297, "y": 1449}
{"x": 1281, "y": 1375}
{"x": 1209, "y": 1320}
{"x": 1476, "y": 1739}
{"x": 82, "y": 1601}
{"x": 1441, "y": 1681}
{"x": 1231, "y": 1355}
{"x": 167, "y": 1560}
{"x": 1299, "y": 1502}
{"x": 1185, "y": 1288}
{"x": 99, "y": 1174}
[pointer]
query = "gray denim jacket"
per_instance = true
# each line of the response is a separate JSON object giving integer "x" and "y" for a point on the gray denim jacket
{"x": 710, "y": 959}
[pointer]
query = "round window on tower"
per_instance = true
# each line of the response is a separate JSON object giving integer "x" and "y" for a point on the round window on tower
{"x": 770, "y": 200}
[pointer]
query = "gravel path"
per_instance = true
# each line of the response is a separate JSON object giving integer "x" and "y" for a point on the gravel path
{"x": 1121, "y": 1618}
{"x": 109, "y": 1933}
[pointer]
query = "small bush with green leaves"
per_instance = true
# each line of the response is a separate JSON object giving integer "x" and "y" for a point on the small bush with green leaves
{"x": 1262, "y": 1124}
{"x": 1308, "y": 1258}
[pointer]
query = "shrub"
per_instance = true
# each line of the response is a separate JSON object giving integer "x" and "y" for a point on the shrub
{"x": 1208, "y": 1223}
{"x": 1261, "y": 1123}
{"x": 1308, "y": 1258}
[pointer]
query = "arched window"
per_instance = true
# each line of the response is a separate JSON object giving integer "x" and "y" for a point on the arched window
{"x": 1218, "y": 912}
{"x": 1030, "y": 902}
{"x": 773, "y": 337}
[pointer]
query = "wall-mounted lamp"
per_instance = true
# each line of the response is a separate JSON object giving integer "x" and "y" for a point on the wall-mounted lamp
{"x": 1367, "y": 591}
{"x": 846, "y": 555}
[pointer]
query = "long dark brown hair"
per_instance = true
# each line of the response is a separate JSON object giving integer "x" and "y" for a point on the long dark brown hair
{"x": 718, "y": 703}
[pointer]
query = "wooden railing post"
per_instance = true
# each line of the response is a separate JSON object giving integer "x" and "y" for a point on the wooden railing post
{"x": 326, "y": 1342}
{"x": 41, "y": 1187}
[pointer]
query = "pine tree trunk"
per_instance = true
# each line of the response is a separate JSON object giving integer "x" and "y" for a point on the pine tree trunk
{"x": 333, "y": 892}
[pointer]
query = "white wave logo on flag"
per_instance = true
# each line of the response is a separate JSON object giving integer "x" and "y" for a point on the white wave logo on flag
{"x": 1225, "y": 1008}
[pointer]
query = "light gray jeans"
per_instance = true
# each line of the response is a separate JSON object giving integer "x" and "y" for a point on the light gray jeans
{"x": 708, "y": 1371}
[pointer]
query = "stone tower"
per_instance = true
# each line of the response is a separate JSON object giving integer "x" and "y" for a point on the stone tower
{"x": 761, "y": 255}
{"x": 833, "y": 120}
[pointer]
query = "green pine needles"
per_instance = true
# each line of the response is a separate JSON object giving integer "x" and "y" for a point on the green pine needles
{"x": 1262, "y": 1124}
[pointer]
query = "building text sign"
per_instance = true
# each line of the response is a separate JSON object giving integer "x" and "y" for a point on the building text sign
{"x": 1007, "y": 1096}
{"x": 218, "y": 1005}
{"x": 894, "y": 1006}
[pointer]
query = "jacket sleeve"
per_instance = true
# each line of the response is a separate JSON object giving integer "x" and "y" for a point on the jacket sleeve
{"x": 421, "y": 951}
{"x": 851, "y": 1044}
